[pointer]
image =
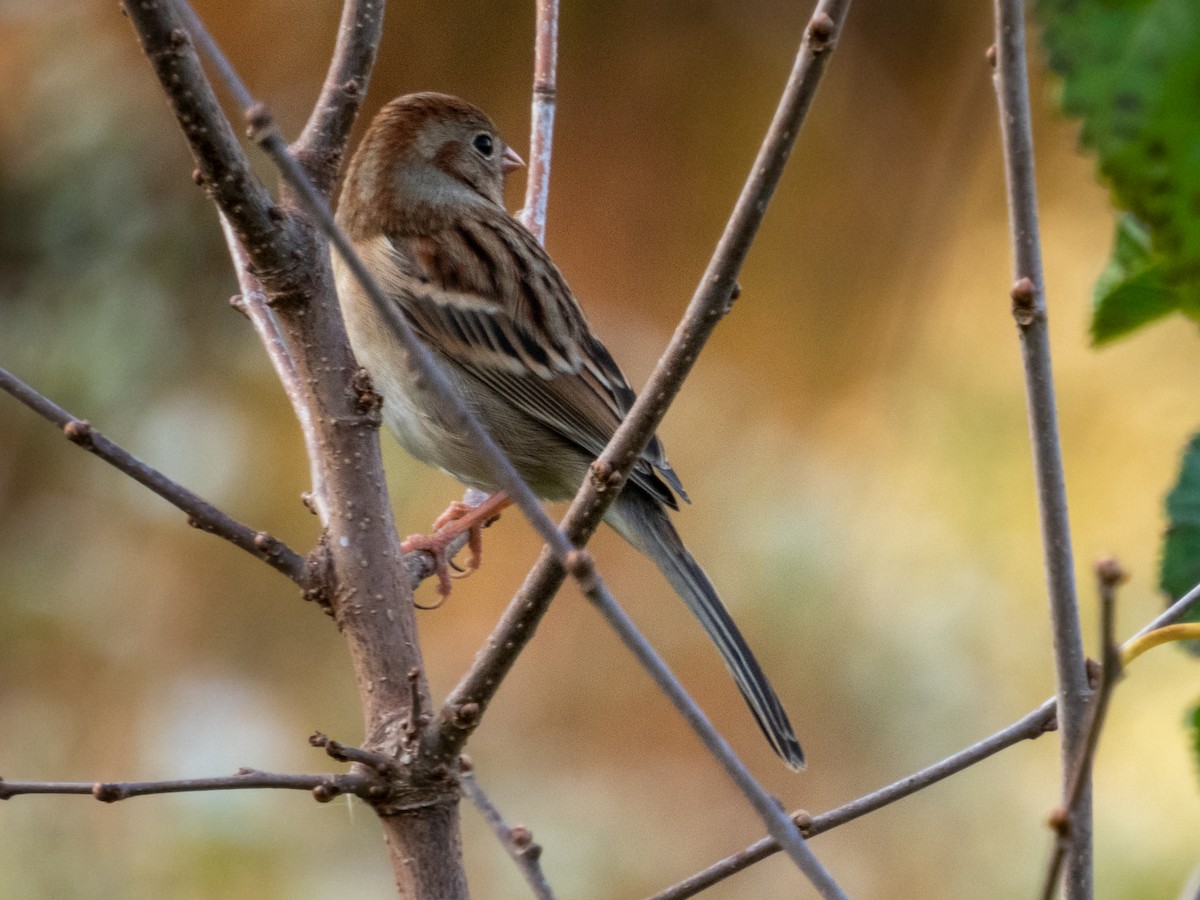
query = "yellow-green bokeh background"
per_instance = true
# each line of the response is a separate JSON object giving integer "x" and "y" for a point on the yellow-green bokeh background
{"x": 853, "y": 438}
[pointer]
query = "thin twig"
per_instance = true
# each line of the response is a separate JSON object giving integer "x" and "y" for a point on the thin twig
{"x": 1169, "y": 616}
{"x": 201, "y": 514}
{"x": 541, "y": 127}
{"x": 1031, "y": 725}
{"x": 779, "y": 824}
{"x": 322, "y": 143}
{"x": 324, "y": 787}
{"x": 517, "y": 841}
{"x": 1029, "y": 310}
{"x": 709, "y": 303}
{"x": 253, "y": 303}
{"x": 1109, "y": 574}
{"x": 380, "y": 763}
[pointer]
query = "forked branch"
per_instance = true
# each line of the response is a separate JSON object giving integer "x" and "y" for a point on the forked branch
{"x": 370, "y": 594}
{"x": 1029, "y": 726}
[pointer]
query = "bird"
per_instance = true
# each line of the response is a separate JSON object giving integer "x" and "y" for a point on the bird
{"x": 422, "y": 203}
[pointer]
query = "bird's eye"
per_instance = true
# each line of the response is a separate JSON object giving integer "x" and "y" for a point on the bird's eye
{"x": 484, "y": 144}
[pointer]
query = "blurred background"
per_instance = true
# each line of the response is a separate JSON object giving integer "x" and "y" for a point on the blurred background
{"x": 853, "y": 439}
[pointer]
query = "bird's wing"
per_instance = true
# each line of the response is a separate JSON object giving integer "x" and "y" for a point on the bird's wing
{"x": 487, "y": 297}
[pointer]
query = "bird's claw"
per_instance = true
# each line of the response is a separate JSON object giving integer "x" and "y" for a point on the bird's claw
{"x": 457, "y": 518}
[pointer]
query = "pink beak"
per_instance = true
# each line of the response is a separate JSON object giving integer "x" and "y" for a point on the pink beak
{"x": 510, "y": 161}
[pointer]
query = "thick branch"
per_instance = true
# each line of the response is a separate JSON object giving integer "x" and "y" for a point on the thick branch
{"x": 369, "y": 585}
{"x": 201, "y": 514}
{"x": 710, "y": 302}
{"x": 322, "y": 144}
{"x": 541, "y": 125}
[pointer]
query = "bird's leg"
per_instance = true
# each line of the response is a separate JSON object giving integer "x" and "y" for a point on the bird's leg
{"x": 458, "y": 517}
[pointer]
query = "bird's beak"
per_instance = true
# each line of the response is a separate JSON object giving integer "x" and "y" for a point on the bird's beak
{"x": 510, "y": 161}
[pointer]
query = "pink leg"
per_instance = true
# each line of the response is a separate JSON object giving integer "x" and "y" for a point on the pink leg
{"x": 457, "y": 518}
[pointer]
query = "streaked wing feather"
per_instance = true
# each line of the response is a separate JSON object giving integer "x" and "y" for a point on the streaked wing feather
{"x": 488, "y": 298}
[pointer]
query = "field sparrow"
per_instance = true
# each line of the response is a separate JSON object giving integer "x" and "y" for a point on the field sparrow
{"x": 423, "y": 204}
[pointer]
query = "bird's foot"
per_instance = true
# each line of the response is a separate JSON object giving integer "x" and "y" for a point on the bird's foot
{"x": 458, "y": 518}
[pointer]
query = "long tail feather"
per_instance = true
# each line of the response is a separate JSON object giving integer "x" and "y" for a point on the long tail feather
{"x": 643, "y": 522}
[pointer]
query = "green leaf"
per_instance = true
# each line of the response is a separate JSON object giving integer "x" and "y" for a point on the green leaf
{"x": 1132, "y": 290}
{"x": 1181, "y": 550}
{"x": 1131, "y": 72}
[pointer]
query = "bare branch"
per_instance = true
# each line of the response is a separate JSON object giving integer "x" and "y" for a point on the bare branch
{"x": 517, "y": 841}
{"x": 779, "y": 825}
{"x": 360, "y": 560}
{"x": 323, "y": 787}
{"x": 201, "y": 514}
{"x": 264, "y": 132}
{"x": 420, "y": 564}
{"x": 1028, "y": 727}
{"x": 1029, "y": 310}
{"x": 1108, "y": 575}
{"x": 322, "y": 143}
{"x": 1031, "y": 726}
{"x": 1169, "y": 616}
{"x": 253, "y": 304}
{"x": 222, "y": 168}
{"x": 541, "y": 126}
{"x": 380, "y": 763}
{"x": 609, "y": 472}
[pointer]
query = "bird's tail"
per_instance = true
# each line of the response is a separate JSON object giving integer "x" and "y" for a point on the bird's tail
{"x": 643, "y": 522}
